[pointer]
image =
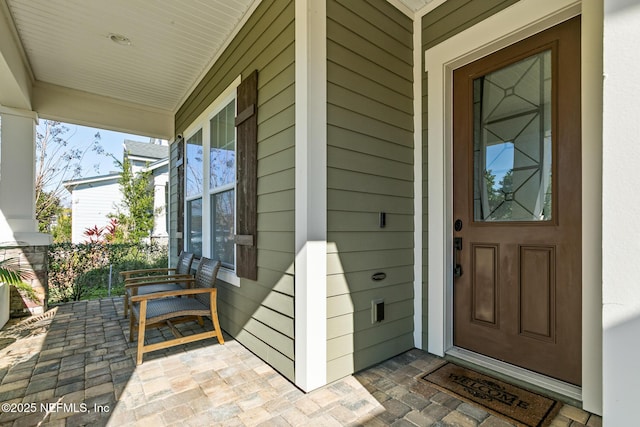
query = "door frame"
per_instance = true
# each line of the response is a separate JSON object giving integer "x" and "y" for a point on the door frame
{"x": 517, "y": 22}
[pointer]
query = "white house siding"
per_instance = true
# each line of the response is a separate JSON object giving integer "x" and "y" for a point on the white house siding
{"x": 91, "y": 203}
{"x": 95, "y": 198}
{"x": 369, "y": 170}
{"x": 160, "y": 180}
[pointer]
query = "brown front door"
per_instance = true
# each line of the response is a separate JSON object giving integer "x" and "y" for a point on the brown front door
{"x": 517, "y": 204}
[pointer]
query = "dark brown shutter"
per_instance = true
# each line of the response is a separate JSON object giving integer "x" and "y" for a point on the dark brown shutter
{"x": 247, "y": 177}
{"x": 180, "y": 195}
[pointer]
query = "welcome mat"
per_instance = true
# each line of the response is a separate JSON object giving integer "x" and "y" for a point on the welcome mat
{"x": 522, "y": 407}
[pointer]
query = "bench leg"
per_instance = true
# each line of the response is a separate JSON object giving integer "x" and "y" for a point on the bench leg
{"x": 214, "y": 317}
{"x": 142, "y": 326}
{"x": 126, "y": 303}
{"x": 132, "y": 326}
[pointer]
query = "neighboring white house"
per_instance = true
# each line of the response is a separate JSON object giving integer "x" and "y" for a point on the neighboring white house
{"x": 94, "y": 198}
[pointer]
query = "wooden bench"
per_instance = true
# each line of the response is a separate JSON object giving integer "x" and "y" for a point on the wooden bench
{"x": 168, "y": 308}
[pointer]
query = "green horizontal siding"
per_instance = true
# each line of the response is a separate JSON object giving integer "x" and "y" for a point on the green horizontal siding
{"x": 268, "y": 32}
{"x": 260, "y": 314}
{"x": 369, "y": 170}
{"x": 455, "y": 16}
{"x": 368, "y": 356}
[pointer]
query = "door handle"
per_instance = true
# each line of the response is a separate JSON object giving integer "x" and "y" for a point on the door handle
{"x": 457, "y": 248}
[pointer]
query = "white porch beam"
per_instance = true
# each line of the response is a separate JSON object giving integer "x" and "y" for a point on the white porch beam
{"x": 83, "y": 108}
{"x": 311, "y": 195}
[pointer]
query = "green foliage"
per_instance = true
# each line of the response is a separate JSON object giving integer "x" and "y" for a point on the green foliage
{"x": 27, "y": 291}
{"x": 135, "y": 213}
{"x": 81, "y": 271}
{"x": 62, "y": 230}
{"x": 498, "y": 209}
{"x": 48, "y": 207}
{"x": 12, "y": 273}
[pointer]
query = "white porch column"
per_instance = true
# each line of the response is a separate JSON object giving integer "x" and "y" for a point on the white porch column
{"x": 621, "y": 212}
{"x": 311, "y": 195}
{"x": 17, "y": 179}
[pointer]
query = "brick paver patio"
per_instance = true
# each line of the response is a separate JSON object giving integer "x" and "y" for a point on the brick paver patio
{"x": 74, "y": 366}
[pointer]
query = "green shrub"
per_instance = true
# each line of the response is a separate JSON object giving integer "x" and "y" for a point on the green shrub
{"x": 81, "y": 271}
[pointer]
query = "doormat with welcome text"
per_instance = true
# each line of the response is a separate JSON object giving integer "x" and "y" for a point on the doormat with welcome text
{"x": 522, "y": 407}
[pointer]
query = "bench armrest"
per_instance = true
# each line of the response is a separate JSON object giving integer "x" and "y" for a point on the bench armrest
{"x": 157, "y": 279}
{"x": 127, "y": 274}
{"x": 172, "y": 280}
{"x": 166, "y": 294}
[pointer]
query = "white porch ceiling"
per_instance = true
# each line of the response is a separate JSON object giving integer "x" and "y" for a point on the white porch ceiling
{"x": 66, "y": 43}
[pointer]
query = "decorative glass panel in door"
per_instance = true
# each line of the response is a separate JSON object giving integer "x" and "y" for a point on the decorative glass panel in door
{"x": 512, "y": 142}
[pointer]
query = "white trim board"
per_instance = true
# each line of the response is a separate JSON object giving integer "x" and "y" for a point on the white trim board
{"x": 514, "y": 23}
{"x": 311, "y": 194}
{"x": 418, "y": 282}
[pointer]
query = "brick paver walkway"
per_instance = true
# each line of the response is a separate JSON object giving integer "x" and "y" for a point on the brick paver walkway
{"x": 74, "y": 366}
